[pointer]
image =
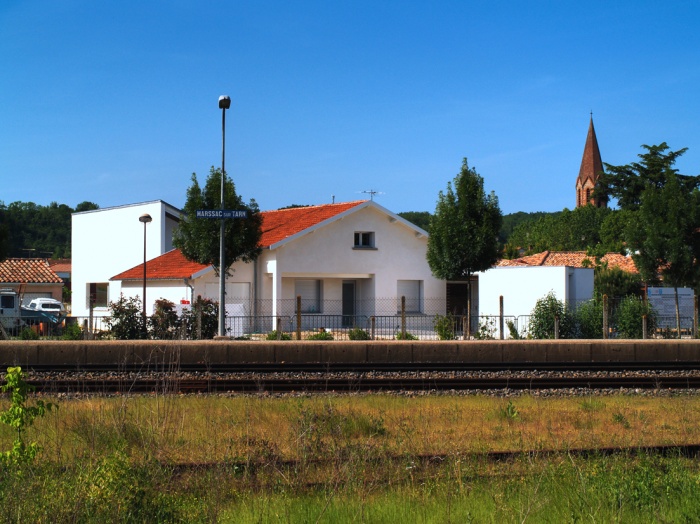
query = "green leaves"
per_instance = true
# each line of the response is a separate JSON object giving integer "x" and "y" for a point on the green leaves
{"x": 464, "y": 229}
{"x": 19, "y": 416}
{"x": 198, "y": 238}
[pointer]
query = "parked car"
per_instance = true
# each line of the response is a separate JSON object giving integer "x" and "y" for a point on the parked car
{"x": 47, "y": 305}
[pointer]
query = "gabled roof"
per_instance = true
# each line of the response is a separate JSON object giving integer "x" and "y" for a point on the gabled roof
{"x": 27, "y": 271}
{"x": 285, "y": 223}
{"x": 570, "y": 259}
{"x": 278, "y": 227}
{"x": 171, "y": 266}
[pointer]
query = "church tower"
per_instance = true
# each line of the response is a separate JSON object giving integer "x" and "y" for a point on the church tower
{"x": 591, "y": 167}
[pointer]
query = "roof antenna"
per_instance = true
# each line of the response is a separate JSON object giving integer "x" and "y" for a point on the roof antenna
{"x": 371, "y": 193}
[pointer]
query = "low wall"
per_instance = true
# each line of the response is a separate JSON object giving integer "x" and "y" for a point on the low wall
{"x": 166, "y": 354}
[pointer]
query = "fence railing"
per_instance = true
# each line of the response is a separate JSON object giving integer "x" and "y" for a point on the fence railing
{"x": 382, "y": 321}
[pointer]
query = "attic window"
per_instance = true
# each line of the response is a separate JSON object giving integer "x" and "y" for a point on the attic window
{"x": 364, "y": 240}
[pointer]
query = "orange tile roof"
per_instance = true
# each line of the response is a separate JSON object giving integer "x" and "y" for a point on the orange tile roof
{"x": 570, "y": 259}
{"x": 276, "y": 226}
{"x": 171, "y": 266}
{"x": 27, "y": 271}
{"x": 284, "y": 223}
{"x": 60, "y": 265}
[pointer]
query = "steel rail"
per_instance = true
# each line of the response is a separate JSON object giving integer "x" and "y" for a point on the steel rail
{"x": 358, "y": 367}
{"x": 354, "y": 384}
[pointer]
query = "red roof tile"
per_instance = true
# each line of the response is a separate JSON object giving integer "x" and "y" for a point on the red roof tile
{"x": 171, "y": 266}
{"x": 276, "y": 226}
{"x": 60, "y": 265}
{"x": 27, "y": 271}
{"x": 284, "y": 223}
{"x": 570, "y": 259}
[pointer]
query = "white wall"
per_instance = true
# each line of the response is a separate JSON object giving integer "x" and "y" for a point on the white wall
{"x": 521, "y": 287}
{"x": 327, "y": 253}
{"x": 107, "y": 241}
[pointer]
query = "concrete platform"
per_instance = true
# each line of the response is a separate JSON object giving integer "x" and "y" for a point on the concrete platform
{"x": 166, "y": 354}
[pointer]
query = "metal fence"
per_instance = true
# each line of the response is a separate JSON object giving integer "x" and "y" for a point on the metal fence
{"x": 383, "y": 319}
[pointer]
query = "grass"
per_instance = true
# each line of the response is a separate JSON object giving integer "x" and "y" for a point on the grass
{"x": 364, "y": 458}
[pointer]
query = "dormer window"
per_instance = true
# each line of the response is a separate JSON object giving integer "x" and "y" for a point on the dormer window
{"x": 364, "y": 240}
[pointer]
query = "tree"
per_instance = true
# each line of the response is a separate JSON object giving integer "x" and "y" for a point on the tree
{"x": 419, "y": 218}
{"x": 665, "y": 236}
{"x": 198, "y": 238}
{"x": 464, "y": 231}
{"x": 627, "y": 183}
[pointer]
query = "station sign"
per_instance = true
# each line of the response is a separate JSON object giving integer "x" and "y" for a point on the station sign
{"x": 222, "y": 213}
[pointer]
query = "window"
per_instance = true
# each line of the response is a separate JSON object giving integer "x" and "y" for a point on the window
{"x": 412, "y": 291}
{"x": 364, "y": 239}
{"x": 7, "y": 302}
{"x": 310, "y": 293}
{"x": 98, "y": 294}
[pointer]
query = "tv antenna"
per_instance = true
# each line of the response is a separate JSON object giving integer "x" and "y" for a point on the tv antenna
{"x": 372, "y": 192}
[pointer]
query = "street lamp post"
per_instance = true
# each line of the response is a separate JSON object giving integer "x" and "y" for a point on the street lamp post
{"x": 145, "y": 218}
{"x": 224, "y": 104}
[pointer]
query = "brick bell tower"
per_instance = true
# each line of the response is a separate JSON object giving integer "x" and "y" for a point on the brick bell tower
{"x": 591, "y": 167}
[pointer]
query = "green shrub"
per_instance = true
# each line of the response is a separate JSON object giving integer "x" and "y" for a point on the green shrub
{"x": 278, "y": 335}
{"x": 628, "y": 317}
{"x": 28, "y": 333}
{"x": 358, "y": 334}
{"x": 487, "y": 330}
{"x": 512, "y": 330}
{"x": 405, "y": 336}
{"x": 164, "y": 324}
{"x": 202, "y": 319}
{"x": 444, "y": 326}
{"x": 321, "y": 335}
{"x": 126, "y": 318}
{"x": 589, "y": 319}
{"x": 72, "y": 331}
{"x": 541, "y": 323}
{"x": 19, "y": 416}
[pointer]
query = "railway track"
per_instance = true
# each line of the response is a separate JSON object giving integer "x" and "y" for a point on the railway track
{"x": 168, "y": 383}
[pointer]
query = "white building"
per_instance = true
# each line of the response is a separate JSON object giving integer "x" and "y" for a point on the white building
{"x": 522, "y": 286}
{"x": 105, "y": 241}
{"x": 347, "y": 259}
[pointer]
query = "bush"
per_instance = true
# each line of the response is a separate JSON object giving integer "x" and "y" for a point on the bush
{"x": 164, "y": 324}
{"x": 405, "y": 336}
{"x": 589, "y": 319}
{"x": 321, "y": 335}
{"x": 206, "y": 312}
{"x": 487, "y": 330}
{"x": 28, "y": 333}
{"x": 445, "y": 326}
{"x": 278, "y": 335}
{"x": 358, "y": 334}
{"x": 628, "y": 317}
{"x": 126, "y": 318}
{"x": 541, "y": 323}
{"x": 72, "y": 331}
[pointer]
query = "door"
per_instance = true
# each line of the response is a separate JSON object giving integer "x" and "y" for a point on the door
{"x": 348, "y": 303}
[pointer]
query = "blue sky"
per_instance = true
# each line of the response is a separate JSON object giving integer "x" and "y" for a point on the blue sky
{"x": 116, "y": 102}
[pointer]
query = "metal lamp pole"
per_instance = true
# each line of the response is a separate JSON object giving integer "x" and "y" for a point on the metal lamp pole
{"x": 224, "y": 104}
{"x": 145, "y": 218}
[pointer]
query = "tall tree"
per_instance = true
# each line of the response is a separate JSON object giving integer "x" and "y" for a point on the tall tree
{"x": 464, "y": 231}
{"x": 627, "y": 183}
{"x": 198, "y": 238}
{"x": 665, "y": 235}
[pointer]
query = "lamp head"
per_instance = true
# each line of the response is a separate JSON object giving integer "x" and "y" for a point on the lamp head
{"x": 224, "y": 102}
{"x": 145, "y": 218}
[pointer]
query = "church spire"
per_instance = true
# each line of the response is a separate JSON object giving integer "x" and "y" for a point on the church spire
{"x": 591, "y": 167}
